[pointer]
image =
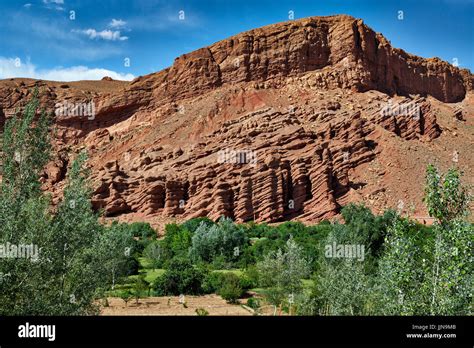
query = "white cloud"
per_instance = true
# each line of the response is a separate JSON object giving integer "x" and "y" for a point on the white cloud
{"x": 13, "y": 67}
{"x": 54, "y": 4}
{"x": 28, "y": 5}
{"x": 104, "y": 34}
{"x": 117, "y": 23}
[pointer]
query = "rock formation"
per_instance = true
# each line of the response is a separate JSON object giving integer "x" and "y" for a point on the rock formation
{"x": 289, "y": 121}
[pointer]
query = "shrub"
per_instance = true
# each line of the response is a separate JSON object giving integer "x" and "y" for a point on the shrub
{"x": 126, "y": 295}
{"x": 254, "y": 230}
{"x": 253, "y": 303}
{"x": 220, "y": 262}
{"x": 252, "y": 274}
{"x": 246, "y": 283}
{"x": 201, "y": 312}
{"x": 139, "y": 287}
{"x": 275, "y": 295}
{"x": 181, "y": 277}
{"x": 230, "y": 288}
{"x": 211, "y": 282}
{"x": 142, "y": 230}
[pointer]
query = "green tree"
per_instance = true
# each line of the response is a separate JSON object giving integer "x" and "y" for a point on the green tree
{"x": 126, "y": 295}
{"x": 402, "y": 270}
{"x": 24, "y": 211}
{"x": 67, "y": 272}
{"x": 75, "y": 255}
{"x": 181, "y": 277}
{"x": 431, "y": 275}
{"x": 139, "y": 287}
{"x": 176, "y": 243}
{"x": 117, "y": 249}
{"x": 283, "y": 270}
{"x": 225, "y": 239}
{"x": 142, "y": 230}
{"x": 343, "y": 284}
{"x": 192, "y": 224}
{"x": 154, "y": 253}
{"x": 451, "y": 280}
{"x": 445, "y": 197}
{"x": 25, "y": 151}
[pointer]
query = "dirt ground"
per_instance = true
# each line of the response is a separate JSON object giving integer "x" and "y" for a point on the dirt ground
{"x": 169, "y": 305}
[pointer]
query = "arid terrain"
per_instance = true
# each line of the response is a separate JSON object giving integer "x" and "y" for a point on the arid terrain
{"x": 170, "y": 305}
{"x": 319, "y": 112}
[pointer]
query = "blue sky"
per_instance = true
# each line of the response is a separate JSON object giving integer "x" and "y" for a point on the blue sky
{"x": 41, "y": 38}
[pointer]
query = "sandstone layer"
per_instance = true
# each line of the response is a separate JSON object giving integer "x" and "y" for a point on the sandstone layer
{"x": 289, "y": 121}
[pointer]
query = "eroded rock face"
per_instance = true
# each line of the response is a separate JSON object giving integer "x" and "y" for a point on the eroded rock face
{"x": 347, "y": 52}
{"x": 289, "y": 121}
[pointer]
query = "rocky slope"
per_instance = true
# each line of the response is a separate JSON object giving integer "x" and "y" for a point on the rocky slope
{"x": 288, "y": 121}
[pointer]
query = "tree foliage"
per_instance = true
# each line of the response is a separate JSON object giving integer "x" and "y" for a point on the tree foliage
{"x": 283, "y": 270}
{"x": 181, "y": 277}
{"x": 69, "y": 271}
{"x": 224, "y": 239}
{"x": 431, "y": 274}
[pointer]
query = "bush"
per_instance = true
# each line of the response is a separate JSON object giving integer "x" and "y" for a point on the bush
{"x": 139, "y": 288}
{"x": 180, "y": 278}
{"x": 142, "y": 230}
{"x": 230, "y": 288}
{"x": 126, "y": 296}
{"x": 220, "y": 262}
{"x": 275, "y": 295}
{"x": 249, "y": 279}
{"x": 201, "y": 312}
{"x": 253, "y": 303}
{"x": 212, "y": 282}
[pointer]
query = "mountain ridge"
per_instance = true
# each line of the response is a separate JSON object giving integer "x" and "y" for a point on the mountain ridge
{"x": 304, "y": 98}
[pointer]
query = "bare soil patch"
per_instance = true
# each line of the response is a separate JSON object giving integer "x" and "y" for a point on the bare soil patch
{"x": 169, "y": 305}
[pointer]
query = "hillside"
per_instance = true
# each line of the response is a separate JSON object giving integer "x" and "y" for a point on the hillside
{"x": 303, "y": 105}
